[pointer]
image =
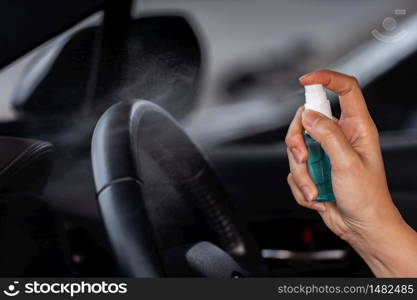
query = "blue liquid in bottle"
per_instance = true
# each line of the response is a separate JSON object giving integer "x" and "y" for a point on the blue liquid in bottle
{"x": 320, "y": 169}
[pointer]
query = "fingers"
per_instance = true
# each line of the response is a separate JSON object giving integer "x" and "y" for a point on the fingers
{"x": 355, "y": 119}
{"x": 301, "y": 185}
{"x": 331, "y": 138}
{"x": 299, "y": 196}
{"x": 352, "y": 102}
{"x": 301, "y": 178}
{"x": 294, "y": 138}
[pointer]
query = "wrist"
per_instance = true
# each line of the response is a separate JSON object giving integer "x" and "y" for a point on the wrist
{"x": 388, "y": 246}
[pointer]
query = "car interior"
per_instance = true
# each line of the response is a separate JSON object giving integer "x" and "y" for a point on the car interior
{"x": 108, "y": 167}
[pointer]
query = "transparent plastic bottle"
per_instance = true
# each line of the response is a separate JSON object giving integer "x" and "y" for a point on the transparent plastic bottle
{"x": 318, "y": 163}
{"x": 320, "y": 170}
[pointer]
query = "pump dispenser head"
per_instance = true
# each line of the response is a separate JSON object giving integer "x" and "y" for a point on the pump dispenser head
{"x": 316, "y": 99}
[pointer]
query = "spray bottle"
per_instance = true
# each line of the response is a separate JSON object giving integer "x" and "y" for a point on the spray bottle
{"x": 318, "y": 163}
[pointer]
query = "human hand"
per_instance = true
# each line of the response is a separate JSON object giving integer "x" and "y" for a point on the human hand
{"x": 363, "y": 214}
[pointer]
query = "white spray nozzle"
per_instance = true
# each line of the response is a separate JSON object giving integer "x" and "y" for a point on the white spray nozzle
{"x": 316, "y": 99}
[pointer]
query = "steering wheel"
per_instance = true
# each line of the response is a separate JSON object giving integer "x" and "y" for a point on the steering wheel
{"x": 163, "y": 208}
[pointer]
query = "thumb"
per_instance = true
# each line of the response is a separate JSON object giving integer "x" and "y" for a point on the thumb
{"x": 331, "y": 138}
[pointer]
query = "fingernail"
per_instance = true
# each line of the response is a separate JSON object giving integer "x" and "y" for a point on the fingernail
{"x": 298, "y": 155}
{"x": 308, "y": 193}
{"x": 305, "y": 76}
{"x": 310, "y": 117}
{"x": 319, "y": 207}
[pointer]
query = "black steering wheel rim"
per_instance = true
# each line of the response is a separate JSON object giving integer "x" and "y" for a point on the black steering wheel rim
{"x": 130, "y": 139}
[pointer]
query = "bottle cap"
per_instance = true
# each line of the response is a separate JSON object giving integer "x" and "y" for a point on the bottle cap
{"x": 316, "y": 99}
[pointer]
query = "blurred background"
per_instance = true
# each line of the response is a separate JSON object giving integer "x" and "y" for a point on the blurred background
{"x": 228, "y": 72}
